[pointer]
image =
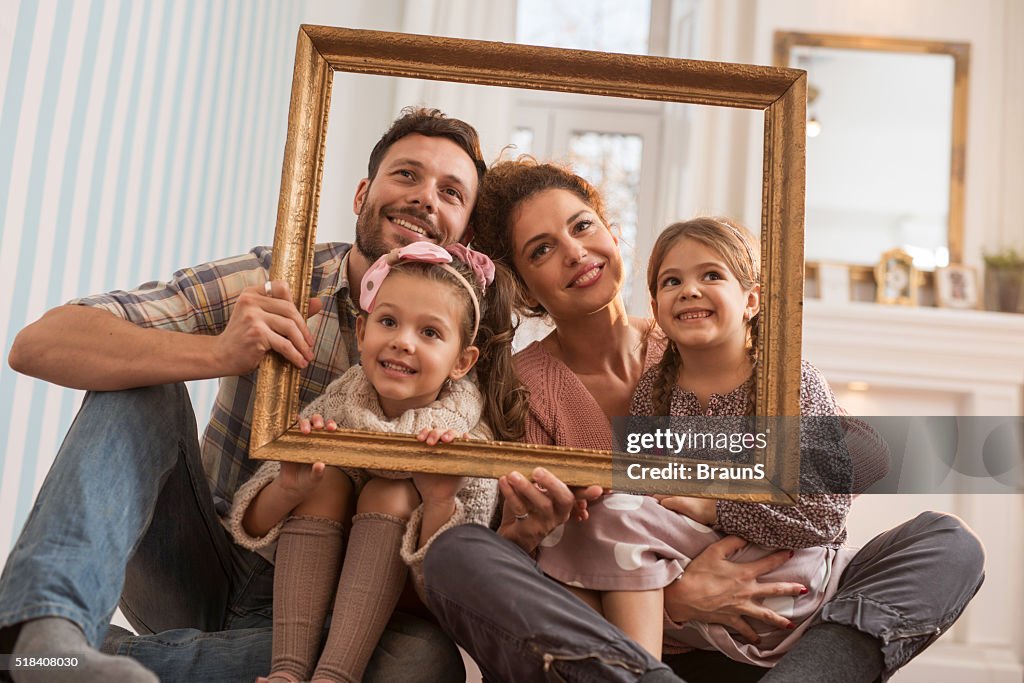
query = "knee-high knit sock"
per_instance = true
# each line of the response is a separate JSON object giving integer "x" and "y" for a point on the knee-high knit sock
{"x": 371, "y": 582}
{"x": 305, "y": 574}
{"x": 830, "y": 652}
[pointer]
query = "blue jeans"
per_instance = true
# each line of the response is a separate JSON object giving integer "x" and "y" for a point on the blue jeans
{"x": 904, "y": 588}
{"x": 126, "y": 515}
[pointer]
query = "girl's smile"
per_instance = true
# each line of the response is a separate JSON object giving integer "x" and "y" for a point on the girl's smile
{"x": 694, "y": 315}
{"x": 397, "y": 368}
{"x": 699, "y": 301}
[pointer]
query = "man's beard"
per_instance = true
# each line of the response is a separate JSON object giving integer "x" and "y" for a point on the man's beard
{"x": 369, "y": 234}
{"x": 370, "y": 231}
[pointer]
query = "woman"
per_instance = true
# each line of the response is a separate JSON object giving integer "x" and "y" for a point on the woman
{"x": 899, "y": 592}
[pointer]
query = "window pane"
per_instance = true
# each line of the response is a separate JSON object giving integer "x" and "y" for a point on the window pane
{"x": 522, "y": 140}
{"x": 611, "y": 162}
{"x": 605, "y": 25}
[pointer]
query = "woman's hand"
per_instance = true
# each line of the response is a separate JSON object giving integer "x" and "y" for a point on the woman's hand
{"x": 716, "y": 590}
{"x": 703, "y": 510}
{"x": 533, "y": 509}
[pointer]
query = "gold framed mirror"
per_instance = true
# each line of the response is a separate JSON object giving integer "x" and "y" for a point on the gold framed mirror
{"x": 887, "y": 137}
{"x": 778, "y": 92}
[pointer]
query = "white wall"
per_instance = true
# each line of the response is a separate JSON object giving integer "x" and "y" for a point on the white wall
{"x": 137, "y": 138}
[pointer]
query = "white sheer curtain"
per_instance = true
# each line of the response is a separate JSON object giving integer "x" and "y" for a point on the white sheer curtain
{"x": 487, "y": 108}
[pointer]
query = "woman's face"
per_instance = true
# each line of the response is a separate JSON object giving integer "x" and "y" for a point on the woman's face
{"x": 567, "y": 257}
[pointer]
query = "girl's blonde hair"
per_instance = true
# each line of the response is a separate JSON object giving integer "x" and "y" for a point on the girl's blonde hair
{"x": 505, "y": 398}
{"x": 741, "y": 252}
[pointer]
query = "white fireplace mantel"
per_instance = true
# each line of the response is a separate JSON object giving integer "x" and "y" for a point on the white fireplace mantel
{"x": 976, "y": 354}
{"x": 895, "y": 360}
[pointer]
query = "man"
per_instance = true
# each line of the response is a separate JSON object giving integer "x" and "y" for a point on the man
{"x": 127, "y": 502}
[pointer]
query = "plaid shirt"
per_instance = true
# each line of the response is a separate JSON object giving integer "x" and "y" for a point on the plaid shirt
{"x": 199, "y": 300}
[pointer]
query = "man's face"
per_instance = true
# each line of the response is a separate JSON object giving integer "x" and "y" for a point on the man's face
{"x": 424, "y": 190}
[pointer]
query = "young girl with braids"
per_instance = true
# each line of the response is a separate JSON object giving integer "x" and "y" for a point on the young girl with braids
{"x": 703, "y": 278}
{"x": 429, "y": 314}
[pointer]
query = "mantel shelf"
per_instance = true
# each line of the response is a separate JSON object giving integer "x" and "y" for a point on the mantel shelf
{"x": 973, "y": 353}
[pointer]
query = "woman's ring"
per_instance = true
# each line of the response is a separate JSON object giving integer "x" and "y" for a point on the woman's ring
{"x": 521, "y": 517}
{"x": 268, "y": 288}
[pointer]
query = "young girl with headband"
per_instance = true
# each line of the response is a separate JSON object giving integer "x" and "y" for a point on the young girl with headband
{"x": 703, "y": 278}
{"x": 429, "y": 315}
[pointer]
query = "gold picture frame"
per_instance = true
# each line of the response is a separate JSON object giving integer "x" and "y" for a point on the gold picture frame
{"x": 957, "y": 286}
{"x": 779, "y": 92}
{"x": 896, "y": 278}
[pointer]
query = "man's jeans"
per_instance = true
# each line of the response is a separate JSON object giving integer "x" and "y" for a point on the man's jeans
{"x": 905, "y": 587}
{"x": 126, "y": 514}
{"x": 518, "y": 624}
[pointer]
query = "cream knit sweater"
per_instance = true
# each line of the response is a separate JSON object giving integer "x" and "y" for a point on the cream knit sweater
{"x": 352, "y": 402}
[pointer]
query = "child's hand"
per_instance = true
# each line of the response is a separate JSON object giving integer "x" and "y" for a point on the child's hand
{"x": 306, "y": 425}
{"x": 437, "y": 488}
{"x": 432, "y": 435}
{"x": 703, "y": 510}
{"x": 298, "y": 479}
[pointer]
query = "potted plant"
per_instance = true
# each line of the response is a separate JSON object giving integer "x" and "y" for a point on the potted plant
{"x": 1004, "y": 281}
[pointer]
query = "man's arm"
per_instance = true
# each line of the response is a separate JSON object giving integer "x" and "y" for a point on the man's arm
{"x": 89, "y": 348}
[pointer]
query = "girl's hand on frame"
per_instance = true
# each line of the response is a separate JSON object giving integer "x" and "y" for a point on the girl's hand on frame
{"x": 703, "y": 510}
{"x": 432, "y": 435}
{"x": 716, "y": 590}
{"x": 438, "y": 489}
{"x": 307, "y": 425}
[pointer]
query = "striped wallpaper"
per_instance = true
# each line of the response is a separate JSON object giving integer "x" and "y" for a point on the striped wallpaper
{"x": 135, "y": 138}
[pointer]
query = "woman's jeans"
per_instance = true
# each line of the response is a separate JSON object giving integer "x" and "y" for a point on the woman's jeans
{"x": 905, "y": 588}
{"x": 126, "y": 514}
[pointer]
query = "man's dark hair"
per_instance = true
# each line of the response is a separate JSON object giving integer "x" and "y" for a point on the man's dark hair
{"x": 431, "y": 123}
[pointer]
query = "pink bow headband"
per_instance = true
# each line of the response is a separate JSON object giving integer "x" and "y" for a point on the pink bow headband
{"x": 428, "y": 252}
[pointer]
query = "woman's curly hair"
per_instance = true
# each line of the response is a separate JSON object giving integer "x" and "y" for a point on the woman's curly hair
{"x": 504, "y": 188}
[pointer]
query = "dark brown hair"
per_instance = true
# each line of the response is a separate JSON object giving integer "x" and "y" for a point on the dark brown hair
{"x": 742, "y": 255}
{"x": 505, "y": 398}
{"x": 505, "y": 187}
{"x": 431, "y": 123}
